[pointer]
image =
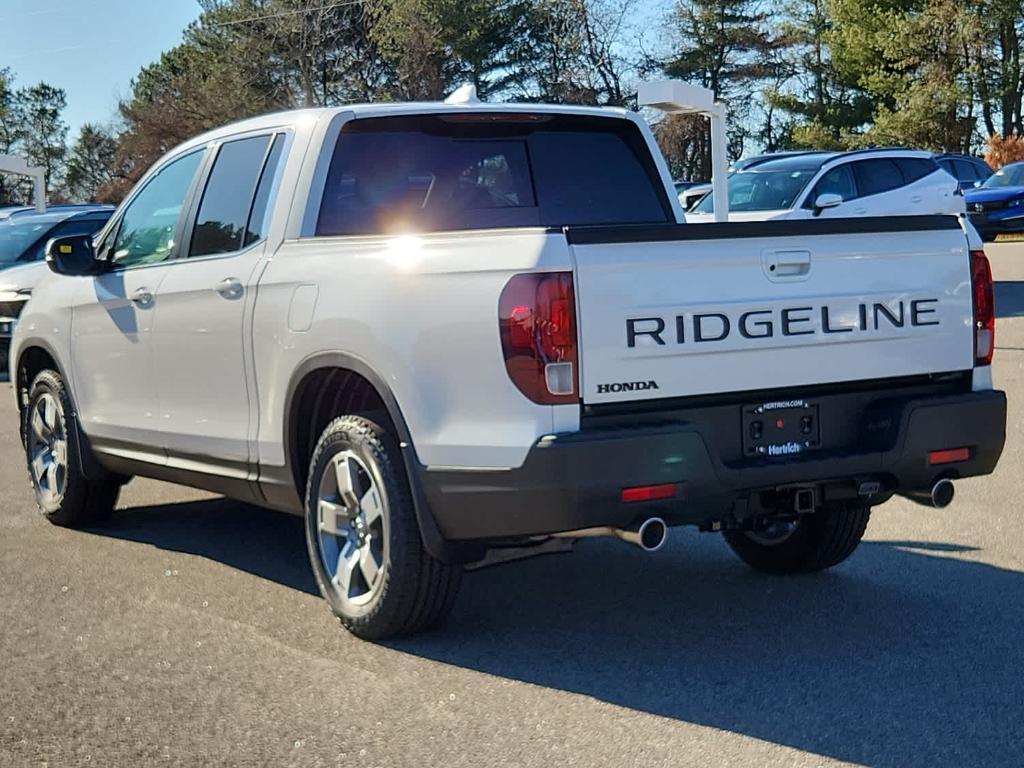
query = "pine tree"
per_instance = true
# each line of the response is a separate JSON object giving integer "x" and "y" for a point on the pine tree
{"x": 823, "y": 108}
{"x": 728, "y": 47}
{"x": 90, "y": 164}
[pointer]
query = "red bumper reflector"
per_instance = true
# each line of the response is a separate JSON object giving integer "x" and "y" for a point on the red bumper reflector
{"x": 949, "y": 456}
{"x": 650, "y": 492}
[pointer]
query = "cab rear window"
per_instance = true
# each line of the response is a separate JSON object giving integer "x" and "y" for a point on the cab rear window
{"x": 488, "y": 170}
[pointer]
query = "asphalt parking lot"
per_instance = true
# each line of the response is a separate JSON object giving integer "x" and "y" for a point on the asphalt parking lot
{"x": 187, "y": 631}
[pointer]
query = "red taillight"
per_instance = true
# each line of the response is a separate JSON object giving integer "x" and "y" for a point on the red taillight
{"x": 521, "y": 326}
{"x": 537, "y": 318}
{"x": 984, "y": 309}
{"x": 649, "y": 492}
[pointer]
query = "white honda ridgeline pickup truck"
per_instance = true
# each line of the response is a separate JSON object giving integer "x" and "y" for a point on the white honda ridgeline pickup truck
{"x": 445, "y": 331}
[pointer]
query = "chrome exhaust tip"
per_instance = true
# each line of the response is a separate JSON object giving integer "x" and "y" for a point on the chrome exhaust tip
{"x": 940, "y": 496}
{"x": 942, "y": 493}
{"x": 650, "y": 535}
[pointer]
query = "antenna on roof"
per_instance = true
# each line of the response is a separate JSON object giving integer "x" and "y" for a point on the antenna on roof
{"x": 464, "y": 94}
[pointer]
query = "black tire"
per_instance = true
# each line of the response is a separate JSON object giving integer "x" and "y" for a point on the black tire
{"x": 411, "y": 590}
{"x": 818, "y": 541}
{"x": 75, "y": 500}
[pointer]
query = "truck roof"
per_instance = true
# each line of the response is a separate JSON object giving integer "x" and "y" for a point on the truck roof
{"x": 312, "y": 115}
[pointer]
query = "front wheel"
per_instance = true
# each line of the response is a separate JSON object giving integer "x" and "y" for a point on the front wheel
{"x": 53, "y": 449}
{"x": 363, "y": 537}
{"x": 810, "y": 543}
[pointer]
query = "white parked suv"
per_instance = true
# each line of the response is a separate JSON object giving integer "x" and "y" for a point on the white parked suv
{"x": 449, "y": 332}
{"x": 807, "y": 185}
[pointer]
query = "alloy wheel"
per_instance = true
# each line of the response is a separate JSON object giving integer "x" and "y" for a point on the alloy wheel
{"x": 48, "y": 448}
{"x": 352, "y": 530}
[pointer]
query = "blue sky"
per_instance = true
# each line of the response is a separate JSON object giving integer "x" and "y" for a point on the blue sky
{"x": 93, "y": 48}
{"x": 90, "y": 48}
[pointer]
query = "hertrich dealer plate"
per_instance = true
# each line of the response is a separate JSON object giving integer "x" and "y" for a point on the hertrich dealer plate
{"x": 780, "y": 428}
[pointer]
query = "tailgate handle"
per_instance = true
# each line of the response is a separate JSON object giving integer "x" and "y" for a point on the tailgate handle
{"x": 788, "y": 264}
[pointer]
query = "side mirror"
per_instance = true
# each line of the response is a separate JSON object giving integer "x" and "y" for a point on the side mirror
{"x": 826, "y": 200}
{"x": 694, "y": 202}
{"x": 73, "y": 255}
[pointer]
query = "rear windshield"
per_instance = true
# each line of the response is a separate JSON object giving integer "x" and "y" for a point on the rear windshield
{"x": 485, "y": 171}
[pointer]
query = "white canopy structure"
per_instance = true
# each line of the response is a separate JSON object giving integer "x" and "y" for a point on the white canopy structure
{"x": 18, "y": 166}
{"x": 677, "y": 97}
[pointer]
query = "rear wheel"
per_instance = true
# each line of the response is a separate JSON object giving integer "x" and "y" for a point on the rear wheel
{"x": 53, "y": 449}
{"x": 809, "y": 543}
{"x": 363, "y": 537}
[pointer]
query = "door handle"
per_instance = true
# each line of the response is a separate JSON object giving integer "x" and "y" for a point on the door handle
{"x": 915, "y": 199}
{"x": 229, "y": 288}
{"x": 142, "y": 297}
{"x": 786, "y": 265}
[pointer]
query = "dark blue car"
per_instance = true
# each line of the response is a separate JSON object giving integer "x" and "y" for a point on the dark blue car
{"x": 997, "y": 206}
{"x": 23, "y": 238}
{"x": 969, "y": 172}
{"x": 23, "y": 235}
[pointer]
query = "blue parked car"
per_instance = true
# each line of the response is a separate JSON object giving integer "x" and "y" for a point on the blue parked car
{"x": 23, "y": 238}
{"x": 997, "y": 206}
{"x": 23, "y": 234}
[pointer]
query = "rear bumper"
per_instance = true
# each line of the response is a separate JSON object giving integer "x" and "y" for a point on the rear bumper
{"x": 575, "y": 480}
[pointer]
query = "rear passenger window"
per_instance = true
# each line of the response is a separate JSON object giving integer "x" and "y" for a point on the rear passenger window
{"x": 914, "y": 168}
{"x": 965, "y": 171}
{"x": 485, "y": 171}
{"x": 222, "y": 223}
{"x": 259, "y": 219}
{"x": 876, "y": 176}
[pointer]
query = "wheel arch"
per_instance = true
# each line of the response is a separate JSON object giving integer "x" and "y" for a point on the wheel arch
{"x": 357, "y": 387}
{"x": 36, "y": 355}
{"x": 331, "y": 384}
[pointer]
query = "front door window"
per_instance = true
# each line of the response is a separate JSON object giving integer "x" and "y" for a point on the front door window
{"x": 147, "y": 229}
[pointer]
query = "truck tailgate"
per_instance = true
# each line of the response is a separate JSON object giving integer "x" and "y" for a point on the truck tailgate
{"x": 676, "y": 310}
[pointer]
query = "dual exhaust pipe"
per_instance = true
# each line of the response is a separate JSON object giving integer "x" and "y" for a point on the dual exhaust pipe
{"x": 650, "y": 535}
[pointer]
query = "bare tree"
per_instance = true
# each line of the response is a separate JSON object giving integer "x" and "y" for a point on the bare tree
{"x": 579, "y": 51}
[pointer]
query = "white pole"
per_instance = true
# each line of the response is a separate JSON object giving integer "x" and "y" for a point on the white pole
{"x": 39, "y": 188}
{"x": 676, "y": 97}
{"x": 719, "y": 163}
{"x": 17, "y": 165}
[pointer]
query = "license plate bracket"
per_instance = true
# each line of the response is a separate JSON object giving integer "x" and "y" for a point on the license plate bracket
{"x": 781, "y": 428}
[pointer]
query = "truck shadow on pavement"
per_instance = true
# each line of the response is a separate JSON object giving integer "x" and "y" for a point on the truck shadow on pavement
{"x": 903, "y": 656}
{"x": 267, "y": 544}
{"x": 908, "y": 654}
